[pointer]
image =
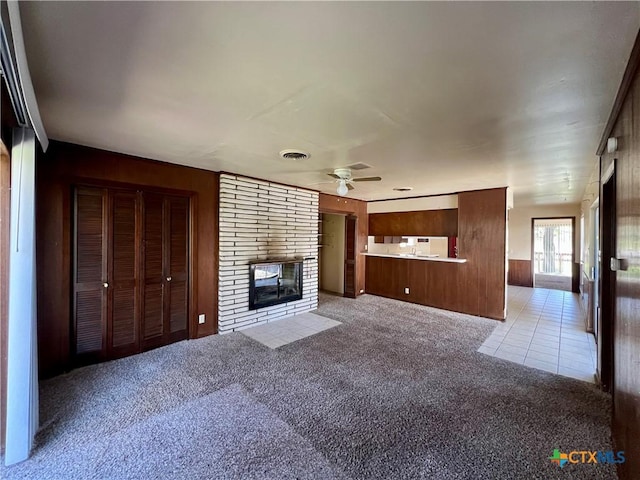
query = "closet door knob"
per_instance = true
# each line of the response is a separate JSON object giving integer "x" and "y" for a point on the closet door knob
{"x": 105, "y": 285}
{"x": 168, "y": 279}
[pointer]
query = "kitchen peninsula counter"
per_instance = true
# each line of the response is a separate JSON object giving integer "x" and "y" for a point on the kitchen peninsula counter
{"x": 407, "y": 256}
{"x": 434, "y": 282}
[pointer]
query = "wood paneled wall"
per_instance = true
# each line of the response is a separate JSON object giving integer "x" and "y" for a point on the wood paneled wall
{"x": 334, "y": 204}
{"x": 482, "y": 233}
{"x": 520, "y": 273}
{"x": 65, "y": 165}
{"x": 626, "y": 322}
{"x": 430, "y": 283}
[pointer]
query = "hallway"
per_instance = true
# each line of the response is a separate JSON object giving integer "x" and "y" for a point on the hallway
{"x": 544, "y": 329}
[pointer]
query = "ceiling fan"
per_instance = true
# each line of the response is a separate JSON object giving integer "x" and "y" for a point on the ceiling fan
{"x": 345, "y": 180}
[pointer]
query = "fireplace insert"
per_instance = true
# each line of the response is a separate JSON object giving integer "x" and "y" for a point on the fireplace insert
{"x": 274, "y": 282}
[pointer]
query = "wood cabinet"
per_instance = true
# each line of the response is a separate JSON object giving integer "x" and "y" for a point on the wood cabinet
{"x": 428, "y": 223}
{"x": 130, "y": 272}
{"x": 389, "y": 239}
{"x": 429, "y": 283}
{"x": 477, "y": 287}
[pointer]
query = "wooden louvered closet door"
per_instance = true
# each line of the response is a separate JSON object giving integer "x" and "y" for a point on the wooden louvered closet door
{"x": 89, "y": 273}
{"x": 123, "y": 318}
{"x": 105, "y": 311}
{"x": 166, "y": 269}
{"x": 130, "y": 272}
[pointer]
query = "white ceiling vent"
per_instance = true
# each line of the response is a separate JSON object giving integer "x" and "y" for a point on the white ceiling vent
{"x": 291, "y": 154}
{"x": 358, "y": 166}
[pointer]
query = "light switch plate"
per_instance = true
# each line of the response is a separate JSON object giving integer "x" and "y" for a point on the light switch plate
{"x": 201, "y": 318}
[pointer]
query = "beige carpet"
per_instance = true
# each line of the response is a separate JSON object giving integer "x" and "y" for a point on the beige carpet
{"x": 396, "y": 392}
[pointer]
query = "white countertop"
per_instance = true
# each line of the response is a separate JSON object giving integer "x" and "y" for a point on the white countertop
{"x": 416, "y": 257}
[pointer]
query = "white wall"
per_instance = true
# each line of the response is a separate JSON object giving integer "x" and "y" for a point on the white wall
{"x": 435, "y": 246}
{"x": 520, "y": 226}
{"x": 591, "y": 193}
{"x": 413, "y": 204}
{"x": 332, "y": 253}
{"x": 261, "y": 221}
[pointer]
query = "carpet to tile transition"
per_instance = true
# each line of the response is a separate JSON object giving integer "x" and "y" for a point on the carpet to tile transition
{"x": 398, "y": 391}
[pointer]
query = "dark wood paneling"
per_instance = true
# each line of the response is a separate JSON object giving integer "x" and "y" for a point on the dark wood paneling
{"x": 434, "y": 223}
{"x": 5, "y": 202}
{"x": 477, "y": 287}
{"x": 90, "y": 272}
{"x": 482, "y": 221}
{"x": 178, "y": 265}
{"x": 626, "y": 324}
{"x": 575, "y": 277}
{"x": 429, "y": 283}
{"x": 66, "y": 165}
{"x": 153, "y": 306}
{"x": 357, "y": 208}
{"x": 350, "y": 256}
{"x": 520, "y": 273}
{"x": 123, "y": 334}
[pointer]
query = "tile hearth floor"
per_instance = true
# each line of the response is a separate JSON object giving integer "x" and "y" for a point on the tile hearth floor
{"x": 287, "y": 330}
{"x": 544, "y": 329}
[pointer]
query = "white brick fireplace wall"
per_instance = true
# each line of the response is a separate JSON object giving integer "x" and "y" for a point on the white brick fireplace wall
{"x": 262, "y": 221}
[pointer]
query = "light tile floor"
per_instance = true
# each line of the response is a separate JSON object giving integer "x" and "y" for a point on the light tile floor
{"x": 544, "y": 329}
{"x": 287, "y": 330}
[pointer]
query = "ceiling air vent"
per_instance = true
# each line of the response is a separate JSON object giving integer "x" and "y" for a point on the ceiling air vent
{"x": 294, "y": 154}
{"x": 359, "y": 166}
{"x": 403, "y": 189}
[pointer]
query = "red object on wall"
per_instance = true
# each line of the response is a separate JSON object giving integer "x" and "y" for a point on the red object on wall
{"x": 452, "y": 251}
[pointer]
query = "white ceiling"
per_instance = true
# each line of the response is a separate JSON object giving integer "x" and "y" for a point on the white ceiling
{"x": 442, "y": 97}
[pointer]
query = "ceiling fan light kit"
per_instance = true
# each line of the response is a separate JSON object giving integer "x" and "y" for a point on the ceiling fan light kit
{"x": 342, "y": 188}
{"x": 345, "y": 180}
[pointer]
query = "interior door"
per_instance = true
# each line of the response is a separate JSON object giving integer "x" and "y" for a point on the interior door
{"x": 177, "y": 267}
{"x": 154, "y": 330}
{"x": 166, "y": 269}
{"x": 350, "y": 255}
{"x": 123, "y": 317}
{"x": 90, "y": 280}
{"x": 607, "y": 285}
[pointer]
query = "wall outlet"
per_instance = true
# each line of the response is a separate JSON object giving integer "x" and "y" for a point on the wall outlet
{"x": 201, "y": 318}
{"x": 406, "y": 290}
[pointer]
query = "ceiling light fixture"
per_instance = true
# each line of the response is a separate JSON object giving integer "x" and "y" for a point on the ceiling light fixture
{"x": 342, "y": 188}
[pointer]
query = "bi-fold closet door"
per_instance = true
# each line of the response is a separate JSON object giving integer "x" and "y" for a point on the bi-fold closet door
{"x": 130, "y": 272}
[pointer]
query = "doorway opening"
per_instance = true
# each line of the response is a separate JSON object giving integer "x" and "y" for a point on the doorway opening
{"x": 337, "y": 254}
{"x": 553, "y": 252}
{"x": 332, "y": 237}
{"x": 607, "y": 294}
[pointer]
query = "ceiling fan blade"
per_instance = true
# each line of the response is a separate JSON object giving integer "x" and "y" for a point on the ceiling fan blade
{"x": 366, "y": 179}
{"x": 349, "y": 186}
{"x": 334, "y": 175}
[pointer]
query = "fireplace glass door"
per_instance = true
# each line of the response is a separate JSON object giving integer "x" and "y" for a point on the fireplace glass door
{"x": 274, "y": 283}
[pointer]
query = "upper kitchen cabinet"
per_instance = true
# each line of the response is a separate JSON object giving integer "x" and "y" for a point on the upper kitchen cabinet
{"x": 426, "y": 223}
